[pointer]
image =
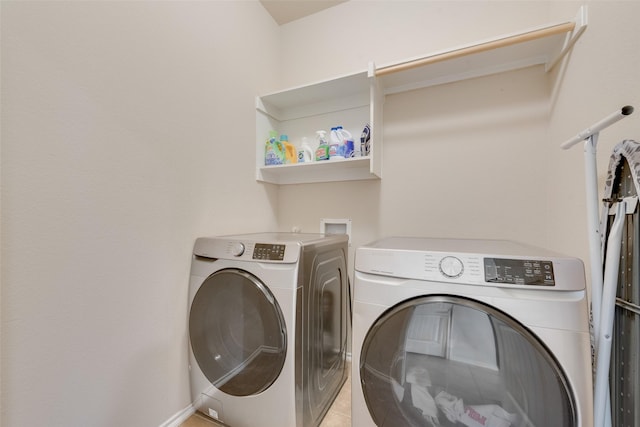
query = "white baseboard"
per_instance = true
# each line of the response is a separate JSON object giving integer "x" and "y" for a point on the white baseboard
{"x": 180, "y": 417}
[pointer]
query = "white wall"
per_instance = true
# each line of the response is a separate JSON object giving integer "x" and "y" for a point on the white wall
{"x": 127, "y": 132}
{"x": 128, "y": 129}
{"x": 478, "y": 158}
{"x": 601, "y": 76}
{"x": 344, "y": 38}
{"x": 458, "y": 159}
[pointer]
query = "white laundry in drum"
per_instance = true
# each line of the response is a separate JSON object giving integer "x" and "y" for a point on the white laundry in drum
{"x": 475, "y": 415}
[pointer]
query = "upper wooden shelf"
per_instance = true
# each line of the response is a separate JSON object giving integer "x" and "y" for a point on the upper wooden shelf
{"x": 541, "y": 45}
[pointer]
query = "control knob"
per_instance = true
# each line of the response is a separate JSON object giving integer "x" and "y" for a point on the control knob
{"x": 237, "y": 249}
{"x": 451, "y": 267}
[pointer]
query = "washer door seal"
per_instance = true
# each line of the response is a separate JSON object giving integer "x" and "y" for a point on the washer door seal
{"x": 237, "y": 332}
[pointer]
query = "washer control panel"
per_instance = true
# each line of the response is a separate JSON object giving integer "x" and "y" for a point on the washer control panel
{"x": 462, "y": 268}
{"x": 491, "y": 263}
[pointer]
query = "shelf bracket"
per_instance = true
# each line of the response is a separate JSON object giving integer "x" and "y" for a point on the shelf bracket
{"x": 580, "y": 27}
{"x": 371, "y": 69}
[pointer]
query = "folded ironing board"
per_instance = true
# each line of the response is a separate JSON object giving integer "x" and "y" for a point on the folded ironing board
{"x": 623, "y": 183}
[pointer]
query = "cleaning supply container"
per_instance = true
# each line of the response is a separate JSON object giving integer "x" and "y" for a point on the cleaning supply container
{"x": 322, "y": 152}
{"x": 305, "y": 153}
{"x": 291, "y": 156}
{"x": 346, "y": 142}
{"x": 335, "y": 144}
{"x": 274, "y": 151}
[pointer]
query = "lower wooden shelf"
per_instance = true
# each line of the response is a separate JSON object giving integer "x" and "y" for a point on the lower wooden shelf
{"x": 353, "y": 169}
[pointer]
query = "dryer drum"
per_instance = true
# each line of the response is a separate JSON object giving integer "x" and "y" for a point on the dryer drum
{"x": 237, "y": 332}
{"x": 447, "y": 360}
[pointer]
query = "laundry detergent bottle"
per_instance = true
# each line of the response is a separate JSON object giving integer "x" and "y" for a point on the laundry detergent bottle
{"x": 346, "y": 142}
{"x": 305, "y": 153}
{"x": 291, "y": 156}
{"x": 335, "y": 143}
{"x": 365, "y": 141}
{"x": 274, "y": 151}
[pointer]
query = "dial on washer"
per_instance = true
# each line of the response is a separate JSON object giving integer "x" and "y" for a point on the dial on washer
{"x": 451, "y": 267}
{"x": 237, "y": 249}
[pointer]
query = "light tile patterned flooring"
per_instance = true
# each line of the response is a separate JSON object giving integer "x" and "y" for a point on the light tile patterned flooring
{"x": 339, "y": 414}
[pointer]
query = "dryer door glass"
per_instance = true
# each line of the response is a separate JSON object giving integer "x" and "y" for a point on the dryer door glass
{"x": 237, "y": 332}
{"x": 449, "y": 361}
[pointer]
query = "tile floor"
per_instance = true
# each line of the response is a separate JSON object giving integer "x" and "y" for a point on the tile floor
{"x": 339, "y": 414}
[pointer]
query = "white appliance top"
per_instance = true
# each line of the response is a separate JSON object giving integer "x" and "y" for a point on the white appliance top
{"x": 278, "y": 237}
{"x": 499, "y": 263}
{"x": 261, "y": 247}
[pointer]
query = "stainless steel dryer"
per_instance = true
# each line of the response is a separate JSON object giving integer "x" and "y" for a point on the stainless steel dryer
{"x": 268, "y": 327}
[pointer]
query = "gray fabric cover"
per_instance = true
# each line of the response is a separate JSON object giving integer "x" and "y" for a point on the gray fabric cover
{"x": 629, "y": 149}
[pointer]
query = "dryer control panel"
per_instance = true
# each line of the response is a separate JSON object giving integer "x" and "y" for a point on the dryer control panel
{"x": 519, "y": 272}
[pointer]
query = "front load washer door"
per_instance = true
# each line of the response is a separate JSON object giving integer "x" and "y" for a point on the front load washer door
{"x": 237, "y": 333}
{"x": 450, "y": 361}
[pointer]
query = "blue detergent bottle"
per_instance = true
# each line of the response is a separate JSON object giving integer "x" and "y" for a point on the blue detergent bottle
{"x": 346, "y": 142}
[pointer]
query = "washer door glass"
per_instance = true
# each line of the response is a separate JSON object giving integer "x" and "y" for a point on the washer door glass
{"x": 237, "y": 332}
{"x": 450, "y": 361}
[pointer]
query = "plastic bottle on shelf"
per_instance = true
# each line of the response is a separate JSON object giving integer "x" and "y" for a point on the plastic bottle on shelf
{"x": 305, "y": 153}
{"x": 291, "y": 156}
{"x": 274, "y": 150}
{"x": 322, "y": 152}
{"x": 335, "y": 144}
{"x": 365, "y": 141}
{"x": 346, "y": 142}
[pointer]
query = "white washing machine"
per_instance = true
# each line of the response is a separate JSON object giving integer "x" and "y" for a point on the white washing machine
{"x": 470, "y": 333}
{"x": 268, "y": 327}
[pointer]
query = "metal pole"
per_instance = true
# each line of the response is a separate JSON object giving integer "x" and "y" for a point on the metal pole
{"x": 606, "y": 122}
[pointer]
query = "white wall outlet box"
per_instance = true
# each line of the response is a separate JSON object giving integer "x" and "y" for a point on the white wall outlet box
{"x": 336, "y": 226}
